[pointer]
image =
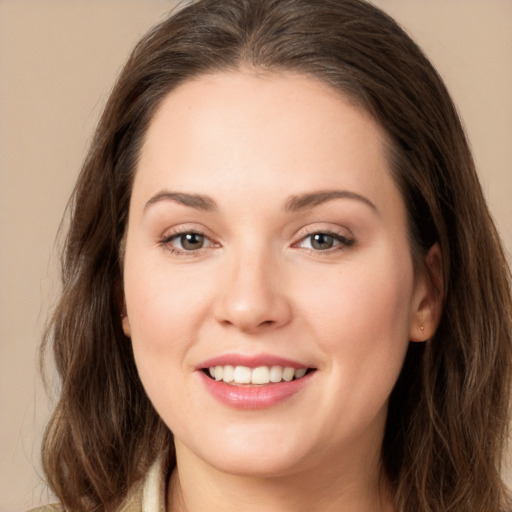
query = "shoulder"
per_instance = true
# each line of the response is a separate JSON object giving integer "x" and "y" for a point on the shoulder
{"x": 147, "y": 495}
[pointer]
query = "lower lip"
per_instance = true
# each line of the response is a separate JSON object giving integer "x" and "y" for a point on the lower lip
{"x": 254, "y": 397}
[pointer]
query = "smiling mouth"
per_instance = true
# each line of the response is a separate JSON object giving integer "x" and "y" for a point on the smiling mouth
{"x": 259, "y": 376}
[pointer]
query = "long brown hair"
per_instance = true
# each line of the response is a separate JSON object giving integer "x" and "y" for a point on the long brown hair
{"x": 448, "y": 413}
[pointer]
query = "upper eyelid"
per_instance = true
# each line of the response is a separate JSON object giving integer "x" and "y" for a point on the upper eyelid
{"x": 344, "y": 240}
{"x": 183, "y": 229}
{"x": 336, "y": 230}
{"x": 166, "y": 239}
{"x": 176, "y": 234}
{"x": 341, "y": 232}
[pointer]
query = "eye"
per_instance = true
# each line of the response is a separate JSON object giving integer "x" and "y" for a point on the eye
{"x": 187, "y": 242}
{"x": 324, "y": 241}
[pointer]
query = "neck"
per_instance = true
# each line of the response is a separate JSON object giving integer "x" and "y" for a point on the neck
{"x": 354, "y": 487}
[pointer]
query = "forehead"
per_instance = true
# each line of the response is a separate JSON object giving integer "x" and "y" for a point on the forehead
{"x": 246, "y": 100}
{"x": 247, "y": 131}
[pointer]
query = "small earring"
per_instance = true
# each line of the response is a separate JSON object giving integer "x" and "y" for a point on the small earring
{"x": 421, "y": 327}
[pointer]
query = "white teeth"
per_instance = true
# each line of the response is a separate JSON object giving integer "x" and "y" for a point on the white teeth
{"x": 228, "y": 373}
{"x": 242, "y": 375}
{"x": 299, "y": 373}
{"x": 276, "y": 374}
{"x": 288, "y": 374}
{"x": 260, "y": 375}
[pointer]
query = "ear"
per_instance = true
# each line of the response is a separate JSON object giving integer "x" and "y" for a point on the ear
{"x": 125, "y": 322}
{"x": 121, "y": 302}
{"x": 428, "y": 297}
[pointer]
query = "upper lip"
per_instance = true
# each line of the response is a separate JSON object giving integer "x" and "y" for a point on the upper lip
{"x": 251, "y": 361}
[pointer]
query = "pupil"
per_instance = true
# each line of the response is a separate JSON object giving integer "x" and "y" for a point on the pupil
{"x": 192, "y": 241}
{"x": 322, "y": 241}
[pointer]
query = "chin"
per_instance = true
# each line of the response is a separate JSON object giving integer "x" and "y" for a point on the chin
{"x": 263, "y": 465}
{"x": 255, "y": 452}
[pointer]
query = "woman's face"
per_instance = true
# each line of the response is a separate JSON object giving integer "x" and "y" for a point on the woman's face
{"x": 266, "y": 239}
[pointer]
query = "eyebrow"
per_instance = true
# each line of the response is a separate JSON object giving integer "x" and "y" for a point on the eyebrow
{"x": 293, "y": 204}
{"x": 310, "y": 200}
{"x": 197, "y": 201}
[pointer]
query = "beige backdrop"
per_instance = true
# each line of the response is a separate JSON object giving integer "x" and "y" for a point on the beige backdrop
{"x": 58, "y": 60}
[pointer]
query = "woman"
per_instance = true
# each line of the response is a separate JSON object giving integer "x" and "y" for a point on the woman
{"x": 282, "y": 286}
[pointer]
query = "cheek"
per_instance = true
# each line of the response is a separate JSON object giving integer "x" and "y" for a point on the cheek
{"x": 164, "y": 310}
{"x": 159, "y": 294}
{"x": 361, "y": 319}
{"x": 374, "y": 298}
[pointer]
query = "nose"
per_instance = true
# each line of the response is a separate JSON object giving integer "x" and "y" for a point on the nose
{"x": 253, "y": 295}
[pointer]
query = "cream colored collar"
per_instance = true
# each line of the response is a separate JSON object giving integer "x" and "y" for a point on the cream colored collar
{"x": 154, "y": 489}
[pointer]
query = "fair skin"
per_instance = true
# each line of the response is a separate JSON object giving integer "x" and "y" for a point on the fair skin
{"x": 265, "y": 230}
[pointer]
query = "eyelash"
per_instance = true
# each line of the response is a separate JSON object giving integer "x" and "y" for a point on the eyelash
{"x": 341, "y": 242}
{"x": 167, "y": 240}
